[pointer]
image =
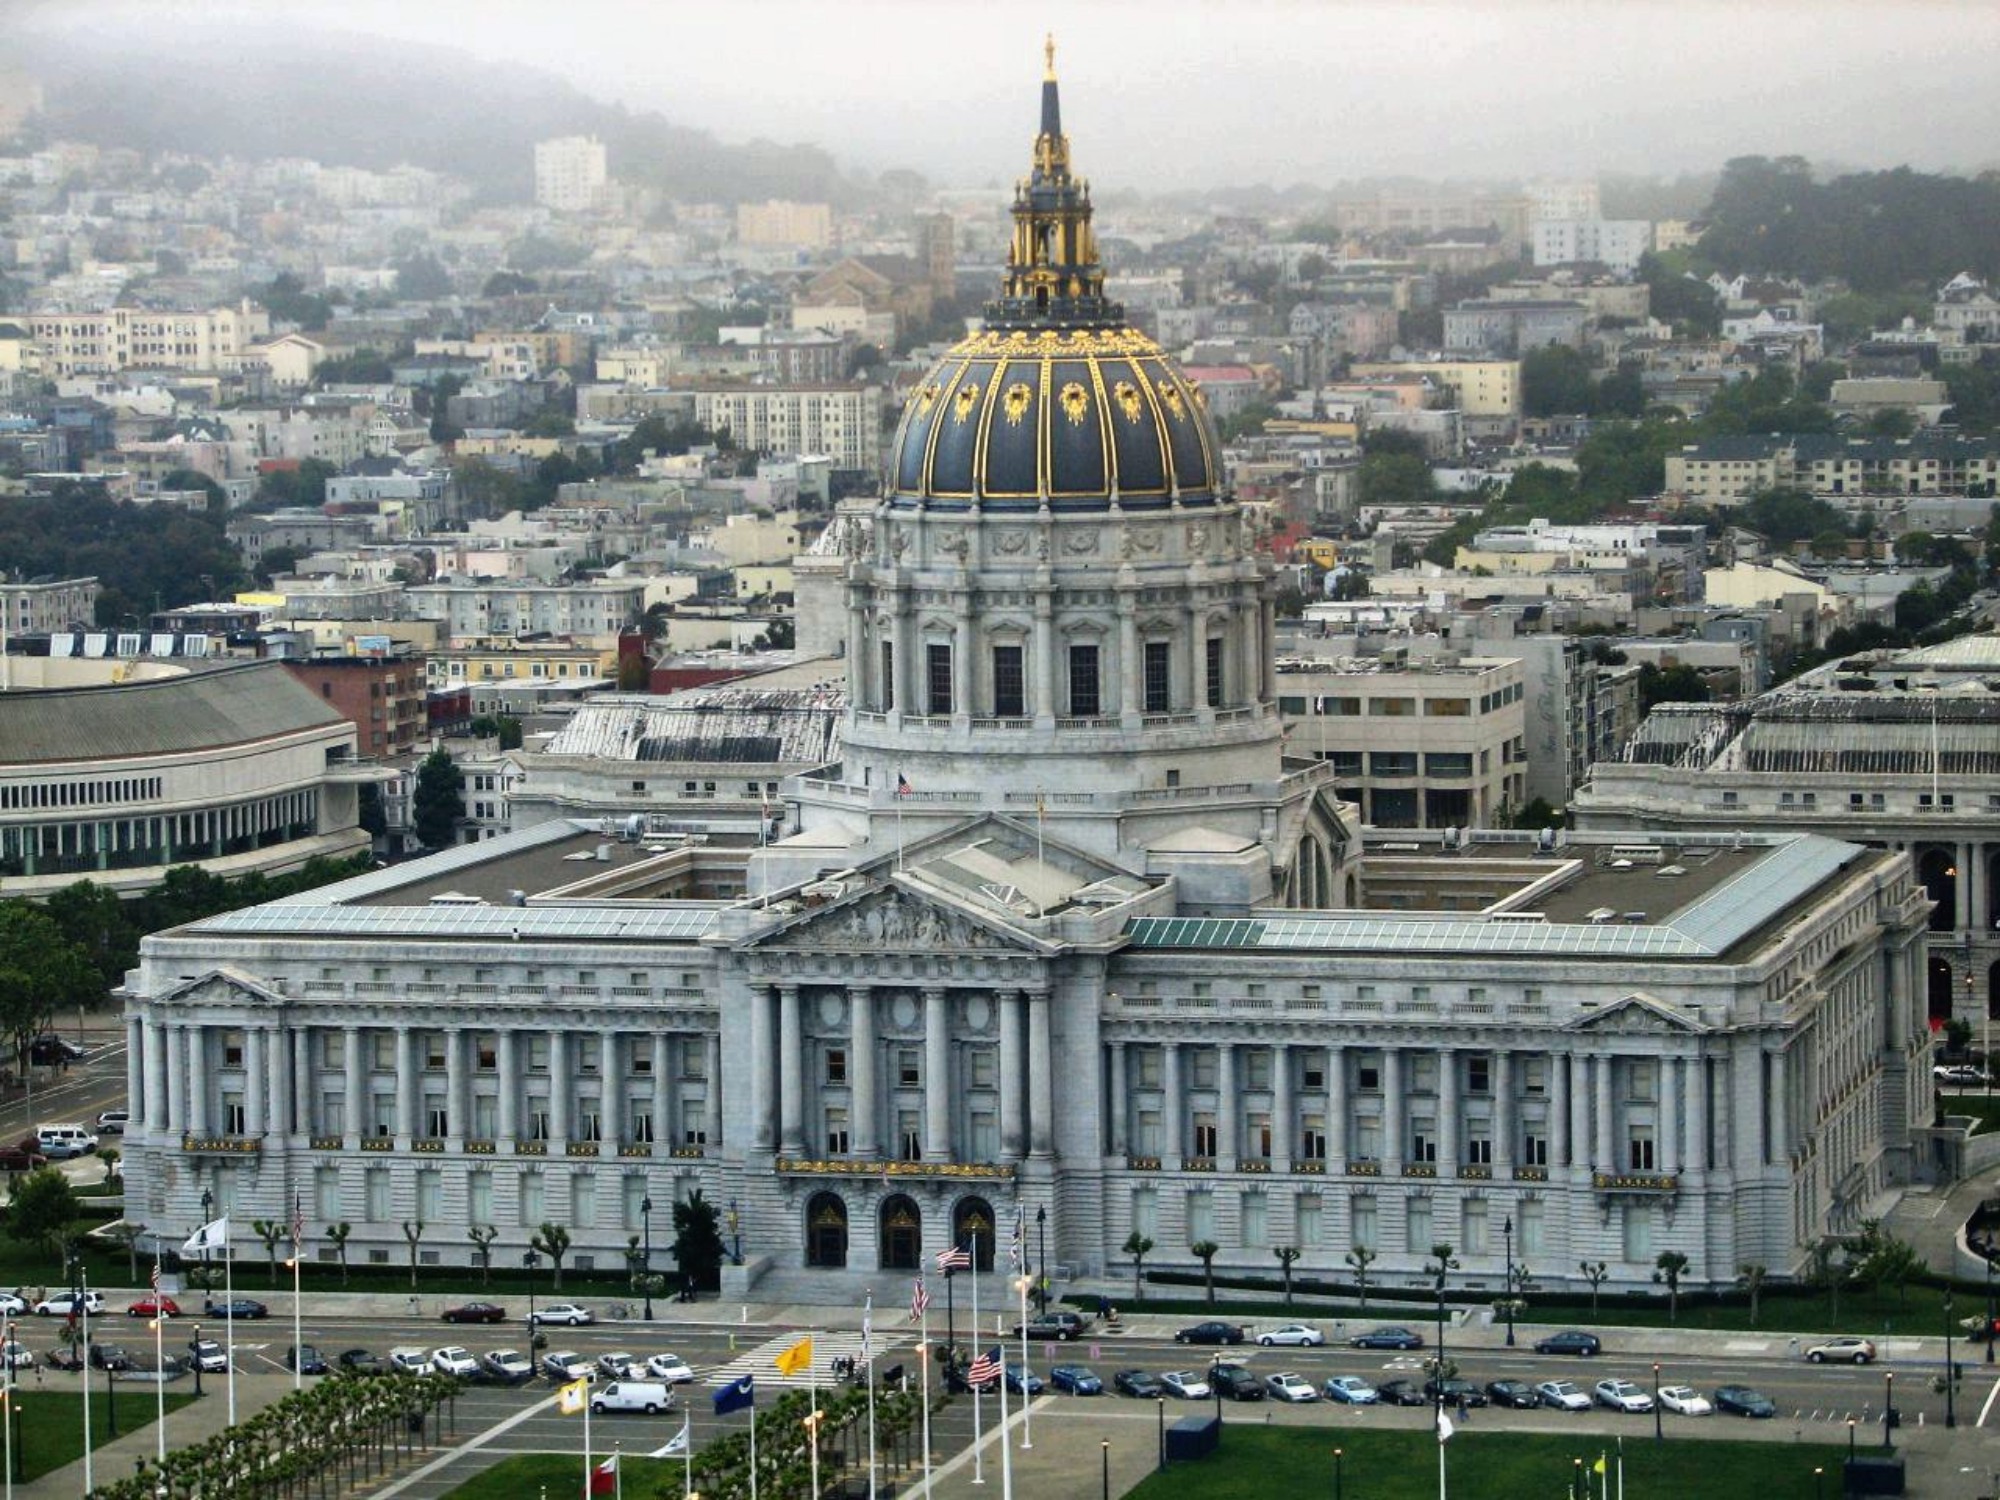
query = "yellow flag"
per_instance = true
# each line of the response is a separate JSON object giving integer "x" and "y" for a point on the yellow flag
{"x": 798, "y": 1357}
{"x": 573, "y": 1397}
{"x": 1598, "y": 1467}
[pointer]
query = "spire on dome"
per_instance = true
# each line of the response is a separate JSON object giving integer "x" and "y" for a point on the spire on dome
{"x": 1051, "y": 101}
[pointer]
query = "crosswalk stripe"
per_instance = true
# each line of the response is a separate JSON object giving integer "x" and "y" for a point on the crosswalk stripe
{"x": 827, "y": 1347}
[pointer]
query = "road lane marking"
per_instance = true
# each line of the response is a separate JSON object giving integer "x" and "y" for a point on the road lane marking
{"x": 1988, "y": 1406}
{"x": 479, "y": 1441}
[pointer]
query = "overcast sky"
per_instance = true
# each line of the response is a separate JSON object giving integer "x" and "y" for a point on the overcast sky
{"x": 1187, "y": 93}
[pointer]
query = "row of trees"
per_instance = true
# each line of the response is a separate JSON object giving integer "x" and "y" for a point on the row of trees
{"x": 144, "y": 557}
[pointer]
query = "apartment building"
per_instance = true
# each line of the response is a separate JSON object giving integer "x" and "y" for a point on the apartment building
{"x": 144, "y": 338}
{"x": 570, "y": 174}
{"x": 42, "y": 605}
{"x": 841, "y": 419}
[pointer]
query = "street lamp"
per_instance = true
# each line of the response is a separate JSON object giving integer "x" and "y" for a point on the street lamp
{"x": 1658, "y": 1435}
{"x": 1104, "y": 1451}
{"x": 1888, "y": 1409}
{"x": 1989, "y": 1309}
{"x": 196, "y": 1347}
{"x": 736, "y": 1235}
{"x": 1819, "y": 1483}
{"x": 528, "y": 1263}
{"x": 646, "y": 1266}
{"x": 1507, "y": 1239}
{"x": 1215, "y": 1383}
{"x": 1338, "y": 1482}
{"x": 1950, "y": 1403}
{"x": 1161, "y": 1402}
{"x": 1850, "y": 1440}
{"x": 1042, "y": 1258}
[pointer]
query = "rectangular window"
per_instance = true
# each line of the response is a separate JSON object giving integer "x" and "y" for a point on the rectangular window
{"x": 1639, "y": 1148}
{"x": 909, "y": 1067}
{"x": 909, "y": 1134}
{"x": 1203, "y": 1067}
{"x": 434, "y": 1051}
{"x": 485, "y": 1117}
{"x": 836, "y": 1132}
{"x": 437, "y": 1122}
{"x": 1084, "y": 699}
{"x": 376, "y": 1194}
{"x": 583, "y": 1201}
{"x": 1312, "y": 1138}
{"x": 1311, "y": 1219}
{"x": 232, "y": 1114}
{"x": 836, "y": 1065}
{"x": 1145, "y": 1212}
{"x": 1257, "y": 1063}
{"x": 1009, "y": 696}
{"x": 1423, "y": 1140}
{"x": 1478, "y": 1074}
{"x": 985, "y": 1068}
{"x": 937, "y": 677}
{"x": 1148, "y": 1061}
{"x": 430, "y": 1195}
{"x": 1204, "y": 1135}
{"x": 326, "y": 1194}
{"x": 1200, "y": 1216}
{"x": 1159, "y": 677}
{"x": 1479, "y": 1149}
{"x": 1530, "y": 1221}
{"x": 1212, "y": 664}
{"x": 1368, "y": 1075}
{"x": 486, "y": 1049}
{"x": 1417, "y": 1237}
{"x": 887, "y": 697}
{"x": 1146, "y": 1134}
{"x": 1474, "y": 1218}
{"x": 1367, "y": 1225}
{"x": 1534, "y": 1144}
{"x": 1639, "y": 1233}
{"x": 1256, "y": 1225}
{"x": 642, "y": 1124}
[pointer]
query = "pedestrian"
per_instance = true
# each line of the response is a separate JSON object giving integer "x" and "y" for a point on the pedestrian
{"x": 1461, "y": 1407}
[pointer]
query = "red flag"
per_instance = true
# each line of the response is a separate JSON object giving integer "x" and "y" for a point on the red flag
{"x": 604, "y": 1478}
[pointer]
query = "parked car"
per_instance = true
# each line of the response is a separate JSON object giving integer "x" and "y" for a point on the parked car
{"x": 1571, "y": 1341}
{"x": 113, "y": 1121}
{"x": 476, "y": 1312}
{"x": 1236, "y": 1382}
{"x": 15, "y": 1355}
{"x": 62, "y": 1142}
{"x": 22, "y": 1156}
{"x": 12, "y": 1304}
{"x": 1390, "y": 1336}
{"x": 63, "y": 1305}
{"x": 564, "y": 1365}
{"x": 1452, "y": 1391}
{"x": 1959, "y": 1073}
{"x": 238, "y": 1309}
{"x": 1290, "y": 1386}
{"x": 409, "y": 1360}
{"x": 1623, "y": 1395}
{"x": 48, "y": 1049}
{"x": 648, "y": 1396}
{"x": 670, "y": 1368}
{"x": 109, "y": 1357}
{"x": 1563, "y": 1395}
{"x": 1186, "y": 1384}
{"x": 154, "y": 1305}
{"x": 1211, "y": 1332}
{"x": 361, "y": 1362}
{"x": 617, "y": 1365}
{"x": 1744, "y": 1401}
{"x": 569, "y": 1314}
{"x": 306, "y": 1359}
{"x": 1053, "y": 1326}
{"x": 1515, "y": 1393}
{"x": 508, "y": 1367}
{"x": 1292, "y": 1336}
{"x": 1401, "y": 1393}
{"x": 1137, "y": 1383}
{"x": 1854, "y": 1350}
{"x": 1351, "y": 1389}
{"x": 454, "y": 1359}
{"x": 1685, "y": 1400}
{"x": 1076, "y": 1380}
{"x": 208, "y": 1356}
{"x": 1023, "y": 1381}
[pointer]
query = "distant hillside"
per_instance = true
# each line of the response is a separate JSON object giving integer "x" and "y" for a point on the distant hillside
{"x": 258, "y": 92}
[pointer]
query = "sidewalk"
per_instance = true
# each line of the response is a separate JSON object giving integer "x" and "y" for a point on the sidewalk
{"x": 194, "y": 1423}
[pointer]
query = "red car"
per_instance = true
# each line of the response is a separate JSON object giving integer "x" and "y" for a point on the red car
{"x": 157, "y": 1305}
{"x": 476, "y": 1312}
{"x": 22, "y": 1157}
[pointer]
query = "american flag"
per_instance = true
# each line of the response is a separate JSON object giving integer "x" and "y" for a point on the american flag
{"x": 985, "y": 1369}
{"x": 298, "y": 1224}
{"x": 156, "y": 1279}
{"x": 954, "y": 1259}
{"x": 1014, "y": 1243}
{"x": 919, "y": 1300}
{"x": 903, "y": 787}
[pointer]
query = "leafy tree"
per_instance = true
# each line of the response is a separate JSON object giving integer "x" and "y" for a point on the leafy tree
{"x": 287, "y": 300}
{"x": 438, "y": 801}
{"x": 1138, "y": 1246}
{"x": 43, "y": 1210}
{"x": 128, "y": 1234}
{"x": 697, "y": 1246}
{"x": 1395, "y": 479}
{"x": 337, "y": 1236}
{"x": 272, "y": 1232}
{"x": 1596, "y": 1272}
{"x": 1676, "y": 684}
{"x": 108, "y": 1158}
{"x": 1205, "y": 1251}
{"x": 413, "y": 1231}
{"x": 1287, "y": 1255}
{"x": 1750, "y": 1276}
{"x": 507, "y": 284}
{"x": 1668, "y": 1269}
{"x": 482, "y": 1237}
{"x": 503, "y": 727}
{"x": 41, "y": 975}
{"x": 1536, "y": 813}
{"x": 1674, "y": 296}
{"x": 1555, "y": 381}
{"x": 552, "y": 1240}
{"x": 1361, "y": 1257}
{"x": 550, "y": 422}
{"x": 421, "y": 278}
{"x": 99, "y": 926}
{"x": 1247, "y": 422}
{"x": 1785, "y": 516}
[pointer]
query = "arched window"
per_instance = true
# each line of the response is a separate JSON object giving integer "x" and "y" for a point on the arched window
{"x": 826, "y": 1231}
{"x": 901, "y": 1235}
{"x": 972, "y": 1228}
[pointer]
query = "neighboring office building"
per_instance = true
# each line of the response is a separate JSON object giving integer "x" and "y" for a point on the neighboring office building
{"x": 380, "y": 694}
{"x": 1485, "y": 326}
{"x": 139, "y": 338}
{"x": 570, "y": 174}
{"x": 1728, "y": 470}
{"x": 808, "y": 226}
{"x": 1614, "y": 243}
{"x": 841, "y": 419}
{"x": 41, "y": 606}
{"x": 1477, "y": 387}
{"x": 474, "y": 610}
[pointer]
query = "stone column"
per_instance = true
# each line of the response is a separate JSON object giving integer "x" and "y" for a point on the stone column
{"x": 457, "y": 1109}
{"x": 1248, "y": 635}
{"x": 1573, "y": 1078}
{"x": 136, "y": 1097}
{"x": 255, "y": 1043}
{"x": 199, "y": 1084}
{"x": 1173, "y": 1106}
{"x": 1129, "y": 696}
{"x": 406, "y": 1082}
{"x": 791, "y": 1072}
{"x": 1392, "y": 1111}
{"x": 1119, "y": 1100}
{"x": 1503, "y": 1114}
{"x": 867, "y": 1111}
{"x": 156, "y": 1077}
{"x": 1604, "y": 1158}
{"x": 937, "y": 1076}
{"x": 1697, "y": 1114}
{"x": 1336, "y": 1109}
{"x": 611, "y": 1097}
{"x": 1228, "y": 1108}
{"x": 1669, "y": 1155}
{"x": 903, "y": 668}
{"x": 177, "y": 1075}
{"x": 667, "y": 1087}
{"x": 962, "y": 673}
{"x": 1284, "y": 1112}
{"x": 301, "y": 1087}
{"x": 712, "y": 1099}
{"x": 359, "y": 1105}
{"x": 507, "y": 1043}
{"x": 1190, "y": 665}
{"x": 763, "y": 1062}
{"x": 1041, "y": 1077}
{"x": 1447, "y": 1162}
{"x": 1013, "y": 1078}
{"x": 562, "y": 1089}
{"x": 1042, "y": 670}
{"x": 1779, "y": 1108}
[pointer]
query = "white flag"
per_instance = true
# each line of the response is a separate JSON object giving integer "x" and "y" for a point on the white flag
{"x": 676, "y": 1445}
{"x": 1445, "y": 1429}
{"x": 211, "y": 1236}
{"x": 867, "y": 1328}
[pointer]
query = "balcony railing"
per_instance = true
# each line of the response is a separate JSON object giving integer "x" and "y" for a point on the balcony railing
{"x": 1000, "y": 1172}
{"x": 1634, "y": 1182}
{"x": 223, "y": 1145}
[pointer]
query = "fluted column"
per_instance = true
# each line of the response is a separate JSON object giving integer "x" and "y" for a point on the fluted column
{"x": 1336, "y": 1109}
{"x": 1118, "y": 1102}
{"x": 303, "y": 1086}
{"x": 1392, "y": 1111}
{"x": 1447, "y": 1162}
{"x": 1604, "y": 1158}
{"x": 1697, "y": 1114}
{"x": 611, "y": 1095}
{"x": 360, "y": 1107}
{"x": 791, "y": 1072}
{"x": 667, "y": 1088}
{"x": 937, "y": 1076}
{"x": 176, "y": 1071}
{"x": 562, "y": 1089}
{"x": 1173, "y": 1107}
{"x": 1248, "y": 635}
{"x": 406, "y": 1082}
{"x": 254, "y": 1040}
{"x": 1780, "y": 1105}
{"x": 457, "y": 1108}
{"x": 763, "y": 1062}
{"x": 1503, "y": 1114}
{"x": 1041, "y": 1077}
{"x": 1228, "y": 1107}
{"x": 902, "y": 671}
{"x": 278, "y": 1095}
{"x": 962, "y": 675}
{"x": 509, "y": 1124}
{"x": 135, "y": 1068}
{"x": 1042, "y": 670}
{"x": 712, "y": 1100}
{"x": 200, "y": 1086}
{"x": 867, "y": 1111}
{"x": 1565, "y": 1111}
{"x": 1129, "y": 698}
{"x": 1283, "y": 1111}
{"x": 1670, "y": 1122}
{"x": 1013, "y": 1078}
{"x": 156, "y": 1077}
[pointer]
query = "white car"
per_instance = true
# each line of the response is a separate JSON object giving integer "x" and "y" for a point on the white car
{"x": 670, "y": 1368}
{"x": 454, "y": 1360}
{"x": 567, "y": 1313}
{"x": 1289, "y": 1386}
{"x": 1294, "y": 1336}
{"x": 12, "y": 1304}
{"x": 1563, "y": 1395}
{"x": 1623, "y": 1395}
{"x": 1958, "y": 1073}
{"x": 1685, "y": 1400}
{"x": 509, "y": 1366}
{"x": 59, "y": 1306}
{"x": 16, "y": 1355}
{"x": 1185, "y": 1384}
{"x": 408, "y": 1361}
{"x": 618, "y": 1365}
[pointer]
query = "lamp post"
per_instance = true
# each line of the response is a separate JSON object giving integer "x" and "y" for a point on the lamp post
{"x": 1659, "y": 1436}
{"x": 1507, "y": 1239}
{"x": 1104, "y": 1452}
{"x": 110, "y": 1399}
{"x": 1950, "y": 1400}
{"x": 196, "y": 1347}
{"x": 1888, "y": 1410}
{"x": 1161, "y": 1402}
{"x": 528, "y": 1263}
{"x": 1042, "y": 1259}
{"x": 1989, "y": 1309}
{"x": 1850, "y": 1440}
{"x": 646, "y": 1265}
{"x": 1819, "y": 1483}
{"x": 1339, "y": 1486}
{"x": 1215, "y": 1383}
{"x": 735, "y": 1235}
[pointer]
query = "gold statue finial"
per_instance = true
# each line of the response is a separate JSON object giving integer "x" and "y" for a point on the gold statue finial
{"x": 1049, "y": 54}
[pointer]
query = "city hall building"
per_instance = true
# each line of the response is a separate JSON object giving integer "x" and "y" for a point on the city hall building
{"x": 1068, "y": 926}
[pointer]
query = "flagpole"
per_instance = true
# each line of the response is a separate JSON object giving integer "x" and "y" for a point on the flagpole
{"x": 812, "y": 1374}
{"x": 159, "y": 1367}
{"x": 1006, "y": 1449}
{"x": 297, "y": 1339}
{"x": 687, "y": 1453}
{"x": 1440, "y": 1440}
{"x": 868, "y": 1359}
{"x": 617, "y": 1473}
{"x": 924, "y": 1332}
{"x": 753, "y": 1448}
{"x": 978, "y": 1421}
{"x": 586, "y": 1440}
{"x": 81, "y": 1307}
{"x": 1027, "y": 1418}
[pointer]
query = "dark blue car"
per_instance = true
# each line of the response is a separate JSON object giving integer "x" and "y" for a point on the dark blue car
{"x": 1388, "y": 1337}
{"x": 1076, "y": 1380}
{"x": 241, "y": 1307}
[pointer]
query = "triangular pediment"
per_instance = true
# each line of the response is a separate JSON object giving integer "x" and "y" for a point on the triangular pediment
{"x": 886, "y": 919}
{"x": 224, "y": 986}
{"x": 1638, "y": 1014}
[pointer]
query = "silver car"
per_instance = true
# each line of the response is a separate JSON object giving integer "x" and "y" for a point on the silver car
{"x": 1563, "y": 1395}
{"x": 1293, "y": 1336}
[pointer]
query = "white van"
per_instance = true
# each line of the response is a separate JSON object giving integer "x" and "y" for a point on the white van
{"x": 61, "y": 1141}
{"x": 648, "y": 1396}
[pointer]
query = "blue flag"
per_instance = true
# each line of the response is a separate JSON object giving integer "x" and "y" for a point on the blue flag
{"x": 736, "y": 1395}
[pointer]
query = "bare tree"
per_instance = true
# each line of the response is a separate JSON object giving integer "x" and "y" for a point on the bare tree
{"x": 1750, "y": 1276}
{"x": 336, "y": 1236}
{"x": 1138, "y": 1247}
{"x": 1205, "y": 1252}
{"x": 1596, "y": 1272}
{"x": 553, "y": 1241}
{"x": 1361, "y": 1258}
{"x": 482, "y": 1237}
{"x": 1287, "y": 1254}
{"x": 412, "y": 1232}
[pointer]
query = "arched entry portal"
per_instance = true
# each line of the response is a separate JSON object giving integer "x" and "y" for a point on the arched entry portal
{"x": 826, "y": 1231}
{"x": 1940, "y": 991}
{"x": 1938, "y": 871}
{"x": 901, "y": 1233}
{"x": 972, "y": 1227}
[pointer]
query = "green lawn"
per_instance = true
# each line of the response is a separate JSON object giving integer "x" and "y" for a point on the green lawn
{"x": 1255, "y": 1463}
{"x": 526, "y": 1474}
{"x": 50, "y": 1427}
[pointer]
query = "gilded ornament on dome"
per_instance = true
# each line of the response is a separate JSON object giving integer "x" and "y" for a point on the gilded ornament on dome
{"x": 963, "y": 402}
{"x": 1016, "y": 402}
{"x": 1201, "y": 398}
{"x": 1075, "y": 402}
{"x": 1128, "y": 399}
{"x": 927, "y": 397}
{"x": 1170, "y": 398}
